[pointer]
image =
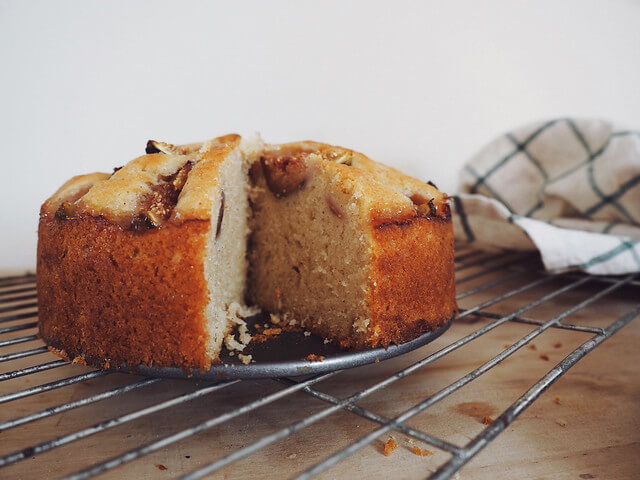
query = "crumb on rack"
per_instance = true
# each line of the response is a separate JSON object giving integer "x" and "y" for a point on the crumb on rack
{"x": 307, "y": 333}
{"x": 292, "y": 456}
{"x": 326, "y": 340}
{"x": 420, "y": 452}
{"x": 312, "y": 357}
{"x": 487, "y": 420}
{"x": 544, "y": 356}
{"x": 159, "y": 466}
{"x": 389, "y": 446}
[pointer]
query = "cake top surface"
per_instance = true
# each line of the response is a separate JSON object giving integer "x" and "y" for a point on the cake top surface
{"x": 180, "y": 182}
{"x": 388, "y": 195}
{"x": 169, "y": 183}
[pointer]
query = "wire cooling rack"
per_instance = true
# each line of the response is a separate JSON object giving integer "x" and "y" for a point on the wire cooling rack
{"x": 53, "y": 411}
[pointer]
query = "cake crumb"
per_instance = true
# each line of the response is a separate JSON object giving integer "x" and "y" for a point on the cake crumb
{"x": 232, "y": 344}
{"x": 389, "y": 446}
{"x": 243, "y": 334}
{"x": 326, "y": 340}
{"x": 557, "y": 345}
{"x": 307, "y": 333}
{"x": 272, "y": 331}
{"x": 79, "y": 360}
{"x": 544, "y": 357}
{"x": 556, "y": 400}
{"x": 361, "y": 325}
{"x": 533, "y": 346}
{"x": 312, "y": 357}
{"x": 159, "y": 466}
{"x": 561, "y": 422}
{"x": 292, "y": 456}
{"x": 487, "y": 420}
{"x": 420, "y": 452}
{"x": 246, "y": 359}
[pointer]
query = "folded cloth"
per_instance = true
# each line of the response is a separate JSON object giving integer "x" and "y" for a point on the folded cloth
{"x": 569, "y": 188}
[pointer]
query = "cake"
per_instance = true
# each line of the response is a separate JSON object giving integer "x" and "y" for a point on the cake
{"x": 353, "y": 250}
{"x": 155, "y": 263}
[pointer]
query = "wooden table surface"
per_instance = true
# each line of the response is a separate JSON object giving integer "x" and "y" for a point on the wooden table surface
{"x": 585, "y": 426}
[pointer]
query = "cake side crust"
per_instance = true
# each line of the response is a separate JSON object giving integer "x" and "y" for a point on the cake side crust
{"x": 412, "y": 286}
{"x": 114, "y": 296}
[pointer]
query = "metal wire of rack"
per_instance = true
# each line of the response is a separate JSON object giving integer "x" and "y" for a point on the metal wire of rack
{"x": 510, "y": 274}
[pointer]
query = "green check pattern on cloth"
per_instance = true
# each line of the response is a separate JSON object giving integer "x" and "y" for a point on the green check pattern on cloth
{"x": 569, "y": 188}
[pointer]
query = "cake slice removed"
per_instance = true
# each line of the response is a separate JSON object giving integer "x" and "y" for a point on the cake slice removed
{"x": 148, "y": 265}
{"x": 351, "y": 249}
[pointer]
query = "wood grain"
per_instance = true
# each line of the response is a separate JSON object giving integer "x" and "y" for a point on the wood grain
{"x": 585, "y": 426}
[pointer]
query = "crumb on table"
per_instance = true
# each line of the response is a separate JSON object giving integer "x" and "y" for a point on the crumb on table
{"x": 544, "y": 356}
{"x": 159, "y": 466}
{"x": 487, "y": 420}
{"x": 533, "y": 346}
{"x": 420, "y": 452}
{"x": 557, "y": 345}
{"x": 389, "y": 446}
{"x": 557, "y": 400}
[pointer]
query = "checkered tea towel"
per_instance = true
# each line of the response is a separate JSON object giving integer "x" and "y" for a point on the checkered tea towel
{"x": 569, "y": 188}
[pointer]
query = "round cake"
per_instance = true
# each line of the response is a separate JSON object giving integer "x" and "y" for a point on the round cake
{"x": 156, "y": 263}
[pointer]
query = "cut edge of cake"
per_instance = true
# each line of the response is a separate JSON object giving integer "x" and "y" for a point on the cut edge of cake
{"x": 367, "y": 257}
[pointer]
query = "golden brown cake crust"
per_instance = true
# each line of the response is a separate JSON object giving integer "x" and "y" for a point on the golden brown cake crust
{"x": 413, "y": 279}
{"x": 385, "y": 194}
{"x": 115, "y": 296}
{"x": 118, "y": 196}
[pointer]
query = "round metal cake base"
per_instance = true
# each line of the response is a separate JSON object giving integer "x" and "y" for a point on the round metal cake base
{"x": 285, "y": 355}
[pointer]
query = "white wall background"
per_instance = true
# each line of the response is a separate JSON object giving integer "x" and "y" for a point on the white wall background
{"x": 419, "y": 85}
